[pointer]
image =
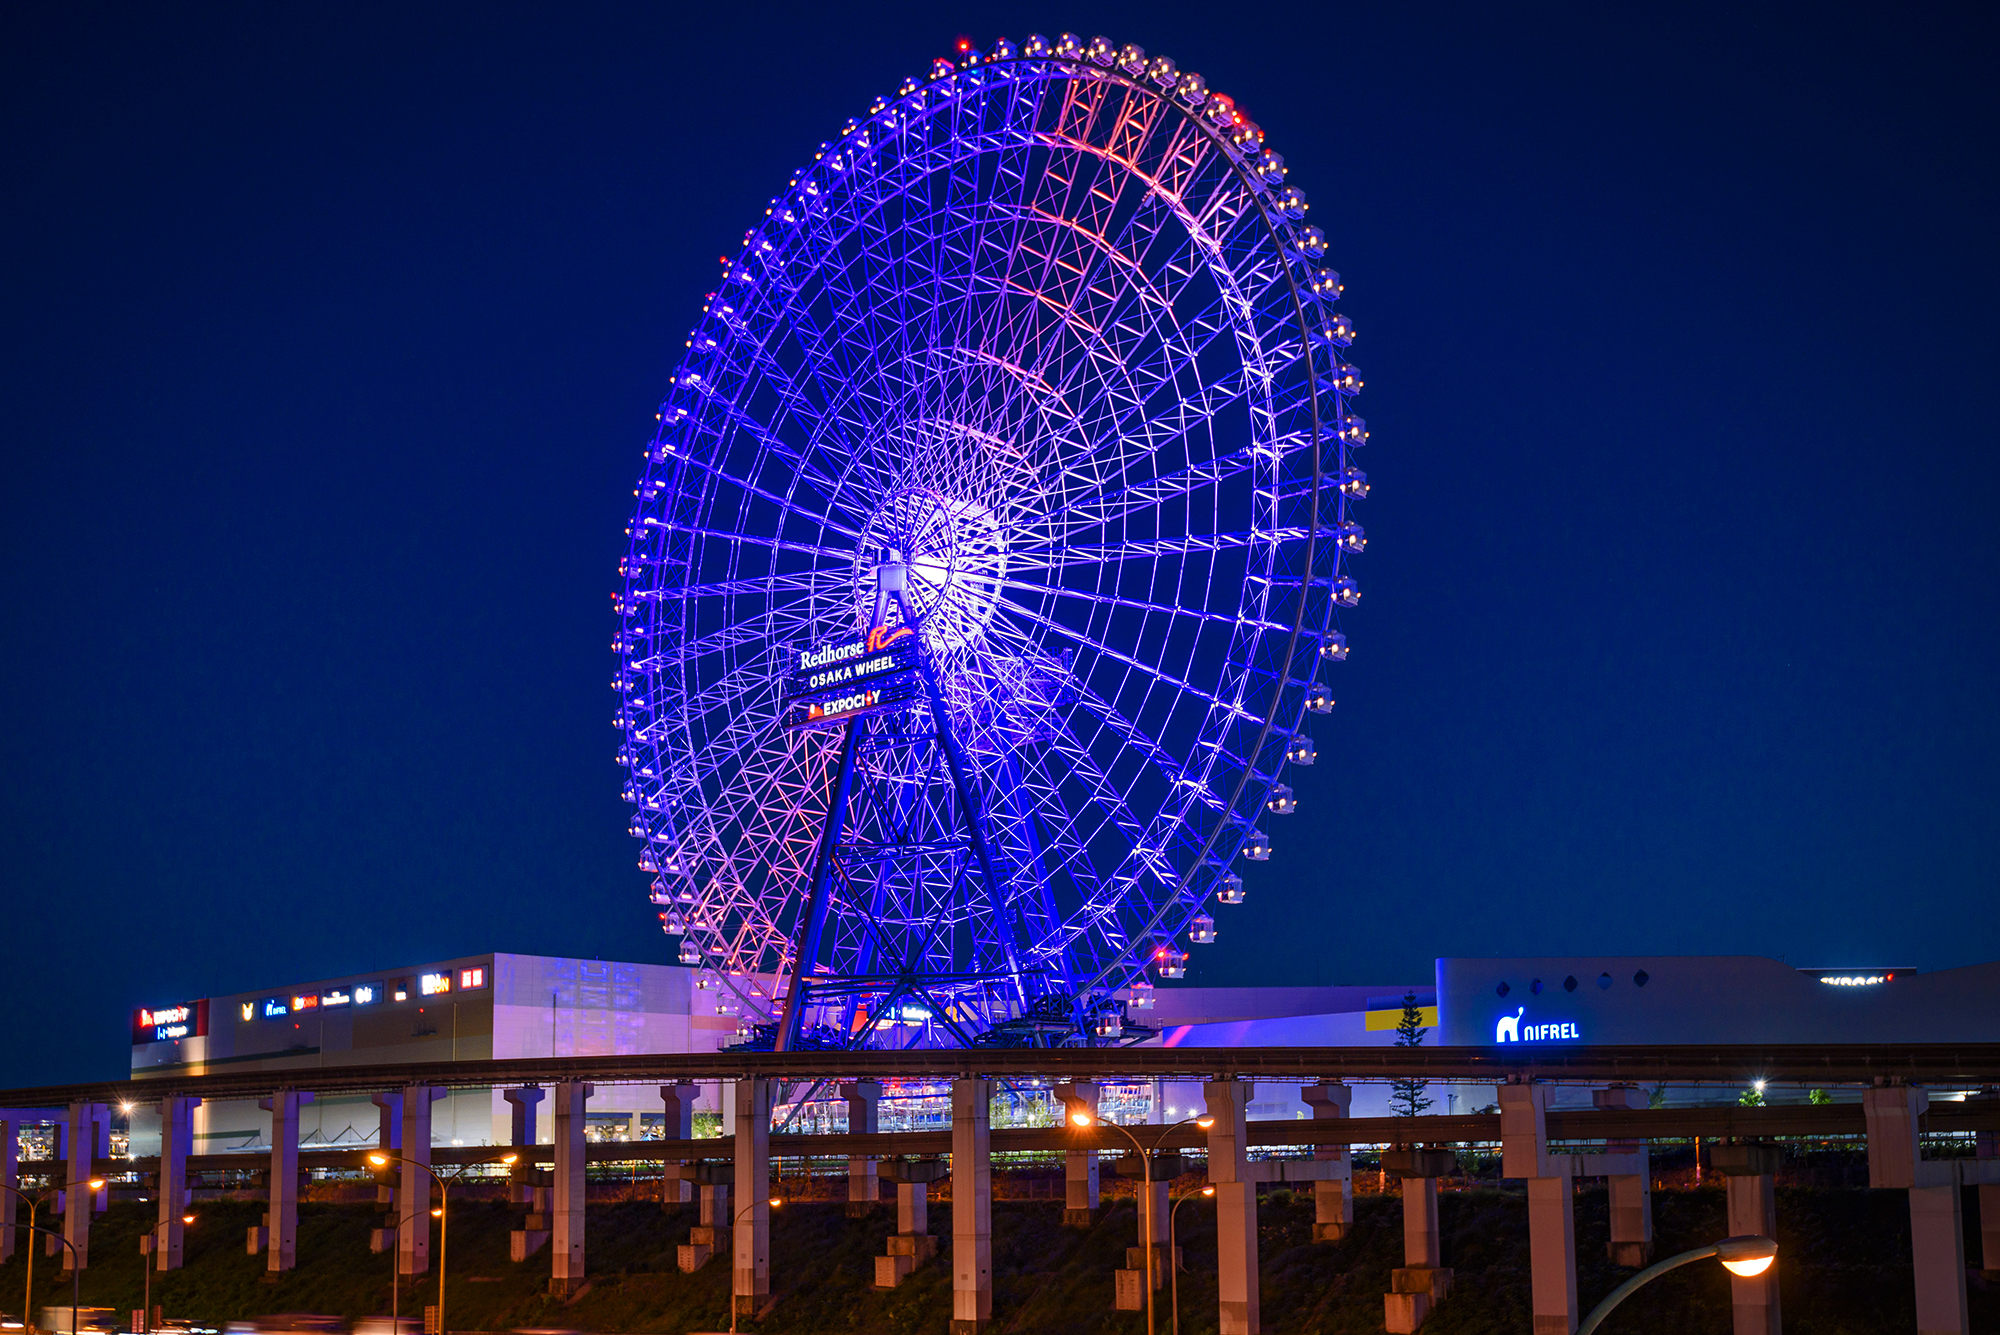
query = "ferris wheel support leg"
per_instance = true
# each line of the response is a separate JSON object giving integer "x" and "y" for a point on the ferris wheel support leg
{"x": 974, "y": 809}
{"x": 812, "y": 925}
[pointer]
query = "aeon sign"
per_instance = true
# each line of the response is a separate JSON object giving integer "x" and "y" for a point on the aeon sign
{"x": 1511, "y": 1030}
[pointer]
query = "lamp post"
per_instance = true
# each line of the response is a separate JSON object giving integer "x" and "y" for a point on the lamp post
{"x": 34, "y": 1205}
{"x": 774, "y": 1202}
{"x": 1174, "y": 1266}
{"x": 381, "y": 1160}
{"x": 1748, "y": 1255}
{"x": 146, "y": 1262}
{"x": 75, "y": 1277}
{"x": 1146, "y": 1205}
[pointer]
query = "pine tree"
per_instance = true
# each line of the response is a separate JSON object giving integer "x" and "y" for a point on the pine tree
{"x": 1407, "y": 1098}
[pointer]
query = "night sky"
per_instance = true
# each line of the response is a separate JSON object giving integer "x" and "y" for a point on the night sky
{"x": 333, "y": 334}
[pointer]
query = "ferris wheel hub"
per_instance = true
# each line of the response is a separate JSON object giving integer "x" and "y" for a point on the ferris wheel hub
{"x": 953, "y": 555}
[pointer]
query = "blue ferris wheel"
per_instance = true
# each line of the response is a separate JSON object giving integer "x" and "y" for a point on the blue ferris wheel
{"x": 987, "y": 558}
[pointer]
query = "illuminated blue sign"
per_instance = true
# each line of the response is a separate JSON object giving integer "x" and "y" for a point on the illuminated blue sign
{"x": 1510, "y": 1029}
{"x": 274, "y": 1008}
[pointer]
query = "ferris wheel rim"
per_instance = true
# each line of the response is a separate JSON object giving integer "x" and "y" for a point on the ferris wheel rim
{"x": 1230, "y": 808}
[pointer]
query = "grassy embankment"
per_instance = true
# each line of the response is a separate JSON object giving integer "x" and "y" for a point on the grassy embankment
{"x": 1846, "y": 1269}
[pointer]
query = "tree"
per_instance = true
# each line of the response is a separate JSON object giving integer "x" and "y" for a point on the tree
{"x": 1819, "y": 1096}
{"x": 1751, "y": 1098}
{"x": 1407, "y": 1098}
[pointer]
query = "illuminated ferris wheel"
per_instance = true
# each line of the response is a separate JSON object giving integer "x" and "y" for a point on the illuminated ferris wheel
{"x": 987, "y": 556}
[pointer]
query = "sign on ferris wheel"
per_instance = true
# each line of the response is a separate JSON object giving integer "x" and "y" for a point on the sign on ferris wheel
{"x": 833, "y": 682}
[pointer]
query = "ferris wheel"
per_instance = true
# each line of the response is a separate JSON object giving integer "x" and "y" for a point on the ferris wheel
{"x": 988, "y": 555}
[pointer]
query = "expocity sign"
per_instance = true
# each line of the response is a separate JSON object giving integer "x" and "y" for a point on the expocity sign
{"x": 848, "y": 678}
{"x": 1509, "y": 1029}
{"x": 164, "y": 1024}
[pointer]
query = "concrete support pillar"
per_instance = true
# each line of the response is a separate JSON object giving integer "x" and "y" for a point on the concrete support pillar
{"x": 1988, "y": 1143}
{"x": 1235, "y": 1207}
{"x": 1937, "y": 1251}
{"x": 1892, "y": 1113}
{"x": 1631, "y": 1193}
{"x": 1079, "y": 1166}
{"x": 413, "y": 1192}
{"x": 1937, "y": 1240}
{"x": 1421, "y": 1243}
{"x": 1551, "y": 1205}
{"x": 1421, "y": 1282}
{"x": 713, "y": 1223}
{"x": 750, "y": 1267}
{"x": 1552, "y": 1253}
{"x": 10, "y": 1174}
{"x": 524, "y": 1120}
{"x": 1753, "y": 1210}
{"x": 971, "y": 1206}
{"x": 1333, "y": 1199}
{"x": 389, "y": 1120}
{"x": 567, "y": 1198}
{"x": 87, "y": 1131}
{"x": 913, "y": 1208}
{"x": 283, "y": 1217}
{"x": 176, "y": 1142}
{"x": 522, "y": 1130}
{"x": 912, "y": 1244}
{"x": 679, "y": 1125}
{"x": 863, "y": 1190}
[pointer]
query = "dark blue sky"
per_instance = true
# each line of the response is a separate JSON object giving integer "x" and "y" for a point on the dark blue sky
{"x": 332, "y": 334}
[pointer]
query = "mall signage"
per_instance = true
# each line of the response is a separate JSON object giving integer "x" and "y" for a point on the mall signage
{"x": 1516, "y": 1028}
{"x": 166, "y": 1024}
{"x": 845, "y": 679}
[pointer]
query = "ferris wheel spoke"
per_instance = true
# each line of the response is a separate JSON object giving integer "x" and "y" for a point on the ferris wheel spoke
{"x": 805, "y": 582}
{"x": 749, "y": 539}
{"x": 1151, "y": 548}
{"x": 1130, "y": 604}
{"x": 786, "y": 504}
{"x": 1103, "y": 650}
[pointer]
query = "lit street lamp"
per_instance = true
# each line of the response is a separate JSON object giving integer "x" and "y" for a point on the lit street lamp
{"x": 1746, "y": 1256}
{"x": 1174, "y": 1266}
{"x": 34, "y": 1205}
{"x": 1146, "y": 1203}
{"x": 146, "y": 1261}
{"x": 381, "y": 1160}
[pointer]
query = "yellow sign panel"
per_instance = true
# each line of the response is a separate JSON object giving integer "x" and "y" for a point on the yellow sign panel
{"x": 1390, "y": 1019}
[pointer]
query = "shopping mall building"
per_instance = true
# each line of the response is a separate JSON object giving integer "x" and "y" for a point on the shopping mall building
{"x": 500, "y": 1006}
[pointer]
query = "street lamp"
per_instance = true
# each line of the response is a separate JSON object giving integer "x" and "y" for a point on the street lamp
{"x": 1175, "y": 1269}
{"x": 34, "y": 1205}
{"x": 75, "y": 1277}
{"x": 1084, "y": 1119}
{"x": 774, "y": 1202}
{"x": 1747, "y": 1256}
{"x": 381, "y": 1160}
{"x": 146, "y": 1262}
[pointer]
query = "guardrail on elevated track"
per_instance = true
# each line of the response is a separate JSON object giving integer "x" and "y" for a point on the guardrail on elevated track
{"x": 1818, "y": 1064}
{"x": 1803, "y": 1121}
